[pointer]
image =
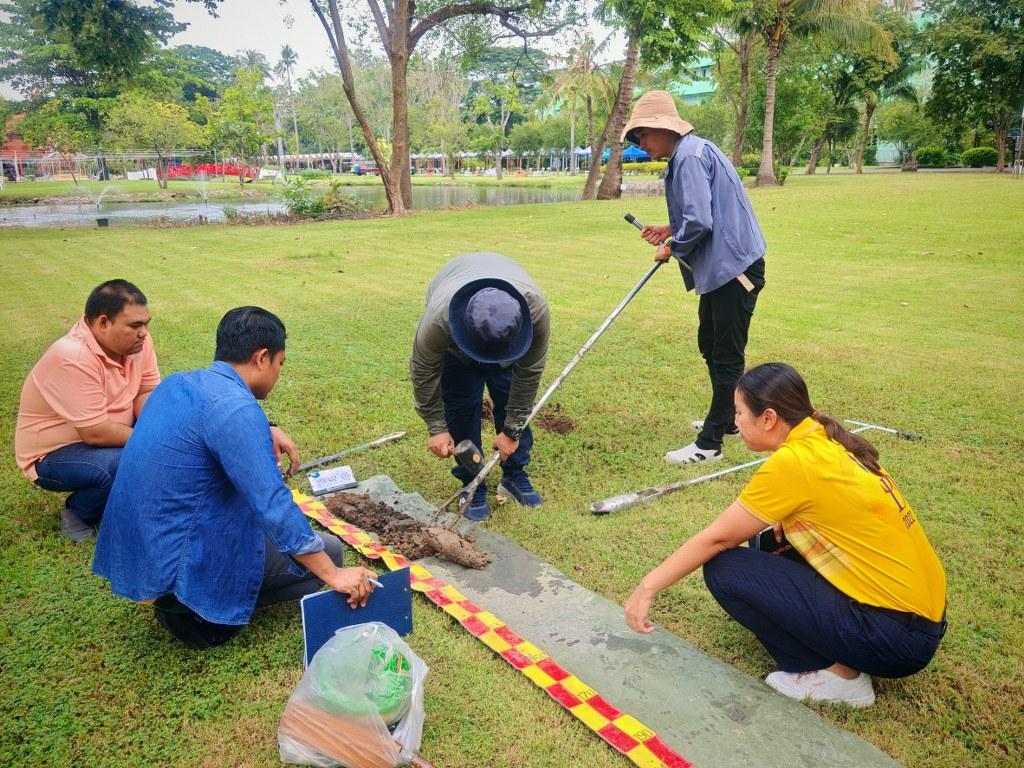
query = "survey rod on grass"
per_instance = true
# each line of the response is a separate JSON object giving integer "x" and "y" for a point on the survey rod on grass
{"x": 354, "y": 449}
{"x": 627, "y": 500}
{"x": 471, "y": 488}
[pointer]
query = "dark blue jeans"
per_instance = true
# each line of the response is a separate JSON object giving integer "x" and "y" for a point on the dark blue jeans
{"x": 807, "y": 624}
{"x": 462, "y": 391}
{"x": 84, "y": 470}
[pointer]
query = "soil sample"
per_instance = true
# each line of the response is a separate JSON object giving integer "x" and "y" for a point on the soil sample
{"x": 403, "y": 534}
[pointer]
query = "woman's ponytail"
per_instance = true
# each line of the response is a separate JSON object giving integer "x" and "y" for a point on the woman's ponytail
{"x": 778, "y": 386}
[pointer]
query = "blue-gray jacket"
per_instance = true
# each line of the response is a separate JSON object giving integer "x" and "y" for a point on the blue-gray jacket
{"x": 714, "y": 227}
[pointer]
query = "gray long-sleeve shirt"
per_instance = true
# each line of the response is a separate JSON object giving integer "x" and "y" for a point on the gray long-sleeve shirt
{"x": 434, "y": 338}
{"x": 713, "y": 224}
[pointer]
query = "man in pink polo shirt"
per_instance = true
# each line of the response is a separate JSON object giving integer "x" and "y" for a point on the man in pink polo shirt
{"x": 80, "y": 402}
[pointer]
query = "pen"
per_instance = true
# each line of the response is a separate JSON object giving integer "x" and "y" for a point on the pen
{"x": 374, "y": 582}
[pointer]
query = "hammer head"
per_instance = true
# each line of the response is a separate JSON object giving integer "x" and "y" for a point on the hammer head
{"x": 469, "y": 456}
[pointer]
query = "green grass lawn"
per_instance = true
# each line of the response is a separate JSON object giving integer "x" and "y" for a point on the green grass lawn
{"x": 898, "y": 296}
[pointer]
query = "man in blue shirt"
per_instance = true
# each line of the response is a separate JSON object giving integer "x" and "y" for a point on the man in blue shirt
{"x": 714, "y": 234}
{"x": 198, "y": 519}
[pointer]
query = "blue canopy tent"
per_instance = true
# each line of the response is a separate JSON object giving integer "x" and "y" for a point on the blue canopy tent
{"x": 631, "y": 153}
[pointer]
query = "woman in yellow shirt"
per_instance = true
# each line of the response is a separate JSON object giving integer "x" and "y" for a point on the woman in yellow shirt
{"x": 867, "y": 594}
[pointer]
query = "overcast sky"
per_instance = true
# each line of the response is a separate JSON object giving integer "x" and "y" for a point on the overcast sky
{"x": 268, "y": 25}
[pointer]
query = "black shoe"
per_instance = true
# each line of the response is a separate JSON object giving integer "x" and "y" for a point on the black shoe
{"x": 189, "y": 627}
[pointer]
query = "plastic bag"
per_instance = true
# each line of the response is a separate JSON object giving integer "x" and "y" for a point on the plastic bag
{"x": 359, "y": 704}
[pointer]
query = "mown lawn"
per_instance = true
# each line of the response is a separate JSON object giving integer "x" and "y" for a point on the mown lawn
{"x": 898, "y": 296}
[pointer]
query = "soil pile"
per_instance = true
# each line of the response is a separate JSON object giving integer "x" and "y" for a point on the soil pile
{"x": 552, "y": 419}
{"x": 403, "y": 534}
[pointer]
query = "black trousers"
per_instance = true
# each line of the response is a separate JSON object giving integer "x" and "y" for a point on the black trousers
{"x": 279, "y": 585}
{"x": 724, "y": 316}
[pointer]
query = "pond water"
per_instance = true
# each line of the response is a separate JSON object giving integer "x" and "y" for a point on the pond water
{"x": 131, "y": 214}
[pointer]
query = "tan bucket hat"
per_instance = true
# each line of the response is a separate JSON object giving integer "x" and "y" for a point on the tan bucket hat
{"x": 655, "y": 109}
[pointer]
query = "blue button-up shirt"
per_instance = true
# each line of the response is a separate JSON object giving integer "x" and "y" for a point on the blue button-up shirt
{"x": 196, "y": 491}
{"x": 713, "y": 224}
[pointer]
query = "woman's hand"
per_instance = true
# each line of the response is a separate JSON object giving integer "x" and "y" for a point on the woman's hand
{"x": 637, "y": 607}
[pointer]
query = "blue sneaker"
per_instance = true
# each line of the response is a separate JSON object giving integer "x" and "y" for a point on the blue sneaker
{"x": 517, "y": 485}
{"x": 478, "y": 508}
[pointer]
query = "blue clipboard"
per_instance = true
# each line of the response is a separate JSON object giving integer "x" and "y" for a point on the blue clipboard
{"x": 324, "y": 613}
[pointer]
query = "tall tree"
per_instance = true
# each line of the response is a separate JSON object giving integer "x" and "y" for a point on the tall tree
{"x": 64, "y": 132}
{"x": 242, "y": 121}
{"x": 582, "y": 81}
{"x": 978, "y": 49}
{"x": 289, "y": 58}
{"x": 401, "y": 25}
{"x": 160, "y": 126}
{"x": 779, "y": 20}
{"x": 739, "y": 37}
{"x": 658, "y": 32}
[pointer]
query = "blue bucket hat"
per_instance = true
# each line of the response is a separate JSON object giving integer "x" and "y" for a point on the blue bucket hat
{"x": 490, "y": 321}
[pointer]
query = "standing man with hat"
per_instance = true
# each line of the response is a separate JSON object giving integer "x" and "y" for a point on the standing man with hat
{"x": 714, "y": 234}
{"x": 486, "y": 322}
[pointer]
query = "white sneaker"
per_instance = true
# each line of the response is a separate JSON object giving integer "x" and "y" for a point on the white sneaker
{"x": 691, "y": 454}
{"x": 825, "y": 686}
{"x": 698, "y": 425}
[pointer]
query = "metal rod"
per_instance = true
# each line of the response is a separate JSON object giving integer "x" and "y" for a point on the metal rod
{"x": 355, "y": 449}
{"x": 627, "y": 500}
{"x": 471, "y": 488}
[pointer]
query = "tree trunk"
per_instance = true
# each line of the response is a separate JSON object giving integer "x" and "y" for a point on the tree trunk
{"x": 398, "y": 54}
{"x": 611, "y": 182}
{"x": 336, "y": 36}
{"x": 617, "y": 119}
{"x": 590, "y": 124}
{"x": 573, "y": 160}
{"x": 1001, "y": 126}
{"x": 799, "y": 148}
{"x": 812, "y": 162}
{"x": 743, "y": 53}
{"x": 497, "y": 163}
{"x": 766, "y": 173}
{"x": 869, "y": 111}
{"x": 161, "y": 171}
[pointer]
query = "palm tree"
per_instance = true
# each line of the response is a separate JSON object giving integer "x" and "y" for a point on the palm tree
{"x": 778, "y": 20}
{"x": 253, "y": 59}
{"x": 284, "y": 67}
{"x": 583, "y": 79}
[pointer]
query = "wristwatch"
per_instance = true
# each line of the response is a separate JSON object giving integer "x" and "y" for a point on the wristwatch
{"x": 513, "y": 433}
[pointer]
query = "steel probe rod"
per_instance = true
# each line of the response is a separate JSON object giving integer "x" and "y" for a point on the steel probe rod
{"x": 627, "y": 500}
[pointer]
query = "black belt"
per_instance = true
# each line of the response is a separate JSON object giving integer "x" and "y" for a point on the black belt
{"x": 912, "y": 620}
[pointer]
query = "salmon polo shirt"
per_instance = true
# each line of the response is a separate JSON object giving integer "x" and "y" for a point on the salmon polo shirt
{"x": 76, "y": 385}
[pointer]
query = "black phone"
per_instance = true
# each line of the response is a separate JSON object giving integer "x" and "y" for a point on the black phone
{"x": 765, "y": 541}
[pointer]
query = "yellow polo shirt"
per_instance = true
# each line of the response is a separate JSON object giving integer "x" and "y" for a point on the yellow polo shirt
{"x": 854, "y": 528}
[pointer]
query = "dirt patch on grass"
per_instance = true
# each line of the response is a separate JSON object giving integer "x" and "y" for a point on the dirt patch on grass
{"x": 553, "y": 419}
{"x": 403, "y": 534}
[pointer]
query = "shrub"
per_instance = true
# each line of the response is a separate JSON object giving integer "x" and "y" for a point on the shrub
{"x": 742, "y": 172}
{"x": 750, "y": 162}
{"x": 979, "y": 157}
{"x": 300, "y": 199}
{"x": 952, "y": 159}
{"x": 314, "y": 173}
{"x": 931, "y": 157}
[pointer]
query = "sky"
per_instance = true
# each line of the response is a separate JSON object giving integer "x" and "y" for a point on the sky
{"x": 268, "y": 25}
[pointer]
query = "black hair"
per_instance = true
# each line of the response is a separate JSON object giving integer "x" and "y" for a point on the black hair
{"x": 778, "y": 386}
{"x": 244, "y": 330}
{"x": 109, "y": 299}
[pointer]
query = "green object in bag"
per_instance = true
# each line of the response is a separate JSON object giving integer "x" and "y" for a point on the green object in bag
{"x": 387, "y": 688}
